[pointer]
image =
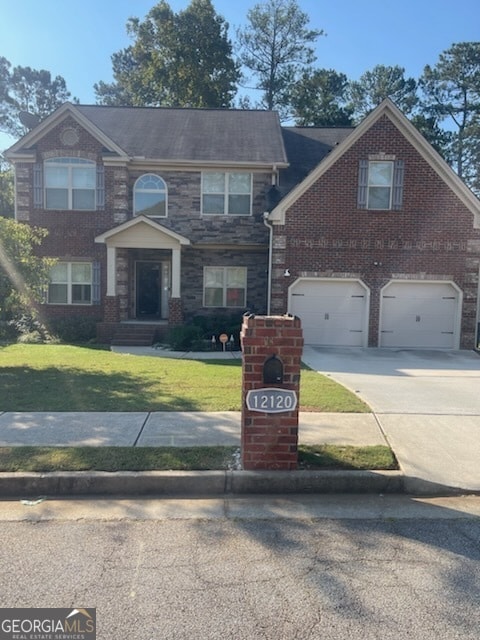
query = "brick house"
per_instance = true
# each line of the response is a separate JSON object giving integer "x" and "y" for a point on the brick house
{"x": 157, "y": 215}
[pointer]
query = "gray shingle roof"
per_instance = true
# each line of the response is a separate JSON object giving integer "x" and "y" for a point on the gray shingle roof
{"x": 306, "y": 147}
{"x": 207, "y": 135}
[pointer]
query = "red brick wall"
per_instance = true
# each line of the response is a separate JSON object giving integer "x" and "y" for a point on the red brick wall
{"x": 431, "y": 237}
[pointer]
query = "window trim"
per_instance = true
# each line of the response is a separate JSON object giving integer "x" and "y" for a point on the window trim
{"x": 164, "y": 190}
{"x": 70, "y": 283}
{"x": 396, "y": 184}
{"x": 371, "y": 185}
{"x": 224, "y": 304}
{"x": 70, "y": 163}
{"x": 226, "y": 193}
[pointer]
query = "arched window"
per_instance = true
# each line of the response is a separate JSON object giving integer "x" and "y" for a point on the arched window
{"x": 150, "y": 196}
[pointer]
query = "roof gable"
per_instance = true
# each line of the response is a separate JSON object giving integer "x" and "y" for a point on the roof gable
{"x": 51, "y": 121}
{"x": 388, "y": 109}
{"x": 151, "y": 234}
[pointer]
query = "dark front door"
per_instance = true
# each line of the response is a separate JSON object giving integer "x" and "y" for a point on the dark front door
{"x": 148, "y": 289}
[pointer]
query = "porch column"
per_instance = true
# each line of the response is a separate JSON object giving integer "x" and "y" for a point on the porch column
{"x": 111, "y": 271}
{"x": 176, "y": 273}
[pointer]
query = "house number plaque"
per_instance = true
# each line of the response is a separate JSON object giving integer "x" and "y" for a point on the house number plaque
{"x": 271, "y": 400}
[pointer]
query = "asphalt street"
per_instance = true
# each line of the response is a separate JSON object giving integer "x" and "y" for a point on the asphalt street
{"x": 294, "y": 567}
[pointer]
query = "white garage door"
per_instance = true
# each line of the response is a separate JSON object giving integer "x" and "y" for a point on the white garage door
{"x": 333, "y": 312}
{"x": 421, "y": 315}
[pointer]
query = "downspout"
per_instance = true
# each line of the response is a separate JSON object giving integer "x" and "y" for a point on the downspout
{"x": 270, "y": 252}
{"x": 266, "y": 215}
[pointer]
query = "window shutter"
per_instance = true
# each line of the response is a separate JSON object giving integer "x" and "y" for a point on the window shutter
{"x": 397, "y": 196}
{"x": 362, "y": 184}
{"x": 38, "y": 185}
{"x": 100, "y": 187}
{"x": 96, "y": 283}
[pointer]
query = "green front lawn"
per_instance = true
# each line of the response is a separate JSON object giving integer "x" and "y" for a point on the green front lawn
{"x": 73, "y": 378}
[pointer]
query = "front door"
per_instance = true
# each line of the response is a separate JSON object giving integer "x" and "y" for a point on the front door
{"x": 152, "y": 289}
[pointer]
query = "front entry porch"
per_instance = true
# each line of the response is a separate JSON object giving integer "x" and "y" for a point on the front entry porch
{"x": 143, "y": 273}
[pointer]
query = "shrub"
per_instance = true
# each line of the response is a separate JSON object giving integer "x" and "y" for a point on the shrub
{"x": 230, "y": 324}
{"x": 29, "y": 329}
{"x": 74, "y": 330}
{"x": 184, "y": 338}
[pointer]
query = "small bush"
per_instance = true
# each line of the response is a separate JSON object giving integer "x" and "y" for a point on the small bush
{"x": 74, "y": 330}
{"x": 183, "y": 338}
{"x": 229, "y": 324}
{"x": 29, "y": 330}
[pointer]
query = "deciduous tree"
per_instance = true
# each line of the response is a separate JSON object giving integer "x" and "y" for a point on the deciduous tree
{"x": 176, "y": 59}
{"x": 23, "y": 276}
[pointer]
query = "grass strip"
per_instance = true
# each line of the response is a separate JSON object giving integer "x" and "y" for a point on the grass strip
{"x": 49, "y": 459}
{"x": 328, "y": 456}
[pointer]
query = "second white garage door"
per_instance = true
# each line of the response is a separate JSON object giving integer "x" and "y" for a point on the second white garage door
{"x": 420, "y": 315}
{"x": 333, "y": 312}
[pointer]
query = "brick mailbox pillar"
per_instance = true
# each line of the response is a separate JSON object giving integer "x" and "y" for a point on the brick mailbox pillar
{"x": 272, "y": 349}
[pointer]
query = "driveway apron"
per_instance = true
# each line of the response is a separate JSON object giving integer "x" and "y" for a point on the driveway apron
{"x": 427, "y": 404}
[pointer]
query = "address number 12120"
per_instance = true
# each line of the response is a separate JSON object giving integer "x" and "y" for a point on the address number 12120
{"x": 271, "y": 400}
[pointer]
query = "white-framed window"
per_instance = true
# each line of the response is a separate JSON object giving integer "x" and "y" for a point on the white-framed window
{"x": 70, "y": 283}
{"x": 226, "y": 193}
{"x": 150, "y": 196}
{"x": 380, "y": 184}
{"x": 70, "y": 183}
{"x": 224, "y": 286}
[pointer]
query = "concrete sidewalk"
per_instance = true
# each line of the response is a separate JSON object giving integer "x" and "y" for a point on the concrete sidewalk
{"x": 173, "y": 429}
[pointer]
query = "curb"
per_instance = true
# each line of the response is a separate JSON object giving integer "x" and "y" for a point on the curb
{"x": 198, "y": 483}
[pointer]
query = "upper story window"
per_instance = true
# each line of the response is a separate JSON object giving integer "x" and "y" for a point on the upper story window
{"x": 227, "y": 193}
{"x": 150, "y": 196}
{"x": 70, "y": 183}
{"x": 380, "y": 185}
{"x": 380, "y": 176}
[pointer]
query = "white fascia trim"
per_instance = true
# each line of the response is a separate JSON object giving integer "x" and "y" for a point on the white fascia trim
{"x": 103, "y": 237}
{"x": 23, "y": 156}
{"x": 199, "y": 165}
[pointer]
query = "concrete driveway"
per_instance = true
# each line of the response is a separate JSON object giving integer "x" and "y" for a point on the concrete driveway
{"x": 404, "y": 381}
{"x": 427, "y": 404}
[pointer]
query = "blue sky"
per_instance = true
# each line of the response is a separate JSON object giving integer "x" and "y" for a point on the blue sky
{"x": 75, "y": 39}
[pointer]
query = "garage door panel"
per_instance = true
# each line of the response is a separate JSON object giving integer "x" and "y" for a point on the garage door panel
{"x": 332, "y": 313}
{"x": 419, "y": 315}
